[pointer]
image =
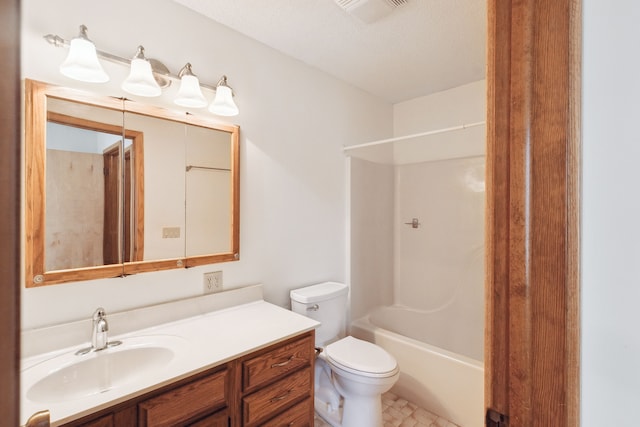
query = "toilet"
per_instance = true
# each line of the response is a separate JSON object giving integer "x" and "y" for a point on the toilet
{"x": 350, "y": 374}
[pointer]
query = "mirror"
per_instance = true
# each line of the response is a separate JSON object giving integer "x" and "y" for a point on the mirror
{"x": 114, "y": 187}
{"x": 83, "y": 149}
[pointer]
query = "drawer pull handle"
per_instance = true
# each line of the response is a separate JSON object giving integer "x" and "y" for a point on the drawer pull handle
{"x": 281, "y": 364}
{"x": 284, "y": 396}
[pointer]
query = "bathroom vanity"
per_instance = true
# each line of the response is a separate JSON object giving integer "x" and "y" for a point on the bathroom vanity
{"x": 273, "y": 386}
{"x": 246, "y": 365}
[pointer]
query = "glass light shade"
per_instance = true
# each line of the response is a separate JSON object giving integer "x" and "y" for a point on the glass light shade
{"x": 140, "y": 81}
{"x": 82, "y": 62}
{"x": 223, "y": 104}
{"x": 189, "y": 94}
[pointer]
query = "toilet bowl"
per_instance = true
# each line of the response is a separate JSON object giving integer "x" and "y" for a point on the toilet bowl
{"x": 351, "y": 374}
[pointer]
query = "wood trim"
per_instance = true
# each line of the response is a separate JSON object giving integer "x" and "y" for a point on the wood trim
{"x": 235, "y": 194}
{"x": 194, "y": 261}
{"x": 36, "y": 113}
{"x": 532, "y": 274}
{"x": 34, "y": 181}
{"x": 497, "y": 210}
{"x": 10, "y": 121}
{"x": 574, "y": 173}
{"x": 156, "y": 265}
{"x": 111, "y": 231}
{"x": 77, "y": 122}
{"x": 138, "y": 196}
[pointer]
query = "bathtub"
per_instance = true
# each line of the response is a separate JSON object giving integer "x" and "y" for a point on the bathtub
{"x": 440, "y": 380}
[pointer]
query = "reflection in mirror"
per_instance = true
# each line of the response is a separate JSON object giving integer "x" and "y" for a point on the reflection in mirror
{"x": 212, "y": 192}
{"x": 208, "y": 187}
{"x": 90, "y": 217}
{"x": 83, "y": 215}
{"x": 164, "y": 192}
{"x": 67, "y": 197}
{"x": 114, "y": 187}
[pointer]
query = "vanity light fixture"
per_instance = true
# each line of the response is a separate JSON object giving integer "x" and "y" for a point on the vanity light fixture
{"x": 82, "y": 60}
{"x": 147, "y": 76}
{"x": 140, "y": 80}
{"x": 223, "y": 104}
{"x": 189, "y": 94}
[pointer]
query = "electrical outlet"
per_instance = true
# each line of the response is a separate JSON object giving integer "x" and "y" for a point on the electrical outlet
{"x": 212, "y": 282}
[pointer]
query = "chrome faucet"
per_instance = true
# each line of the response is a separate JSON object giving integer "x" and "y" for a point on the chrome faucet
{"x": 99, "y": 336}
{"x": 99, "y": 339}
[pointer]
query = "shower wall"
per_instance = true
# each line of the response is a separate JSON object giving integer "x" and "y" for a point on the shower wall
{"x": 438, "y": 267}
{"x": 371, "y": 235}
{"x": 440, "y": 262}
{"x": 438, "y": 180}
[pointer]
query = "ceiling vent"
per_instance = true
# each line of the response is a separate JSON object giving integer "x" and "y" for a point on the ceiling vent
{"x": 369, "y": 11}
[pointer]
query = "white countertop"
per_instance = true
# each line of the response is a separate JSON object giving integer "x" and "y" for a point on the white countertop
{"x": 210, "y": 340}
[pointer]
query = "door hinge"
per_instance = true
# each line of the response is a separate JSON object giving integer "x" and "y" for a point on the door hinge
{"x": 496, "y": 419}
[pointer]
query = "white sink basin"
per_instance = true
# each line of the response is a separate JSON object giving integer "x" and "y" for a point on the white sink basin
{"x": 70, "y": 376}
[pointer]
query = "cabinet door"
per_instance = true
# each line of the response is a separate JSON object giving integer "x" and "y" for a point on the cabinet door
{"x": 106, "y": 421}
{"x": 182, "y": 404}
{"x": 219, "y": 419}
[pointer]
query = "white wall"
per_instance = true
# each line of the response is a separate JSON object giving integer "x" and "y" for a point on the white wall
{"x": 294, "y": 121}
{"x": 458, "y": 106}
{"x": 610, "y": 212}
{"x": 451, "y": 107}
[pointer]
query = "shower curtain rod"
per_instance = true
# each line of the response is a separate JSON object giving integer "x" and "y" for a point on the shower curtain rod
{"x": 415, "y": 135}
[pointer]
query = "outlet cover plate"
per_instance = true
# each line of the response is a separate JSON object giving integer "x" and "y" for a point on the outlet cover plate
{"x": 212, "y": 282}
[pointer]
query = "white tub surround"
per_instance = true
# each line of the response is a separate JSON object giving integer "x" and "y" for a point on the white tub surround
{"x": 459, "y": 337}
{"x": 208, "y": 339}
{"x": 445, "y": 383}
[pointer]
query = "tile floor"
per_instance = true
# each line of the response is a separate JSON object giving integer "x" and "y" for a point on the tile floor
{"x": 398, "y": 412}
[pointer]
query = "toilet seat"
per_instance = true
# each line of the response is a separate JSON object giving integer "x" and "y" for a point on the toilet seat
{"x": 361, "y": 358}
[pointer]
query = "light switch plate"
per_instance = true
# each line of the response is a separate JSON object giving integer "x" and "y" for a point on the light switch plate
{"x": 170, "y": 232}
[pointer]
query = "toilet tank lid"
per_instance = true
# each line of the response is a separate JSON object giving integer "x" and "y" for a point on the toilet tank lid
{"x": 320, "y": 292}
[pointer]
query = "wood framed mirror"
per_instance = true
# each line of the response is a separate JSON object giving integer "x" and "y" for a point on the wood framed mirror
{"x": 115, "y": 187}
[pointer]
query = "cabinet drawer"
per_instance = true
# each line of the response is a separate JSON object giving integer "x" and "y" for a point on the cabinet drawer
{"x": 300, "y": 415}
{"x": 183, "y": 403}
{"x": 219, "y": 419}
{"x": 262, "y": 369}
{"x": 266, "y": 403}
{"x": 106, "y": 421}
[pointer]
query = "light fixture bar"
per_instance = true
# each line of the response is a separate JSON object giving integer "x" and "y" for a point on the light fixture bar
{"x": 161, "y": 72}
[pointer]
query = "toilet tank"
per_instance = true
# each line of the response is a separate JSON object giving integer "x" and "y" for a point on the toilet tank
{"x": 327, "y": 303}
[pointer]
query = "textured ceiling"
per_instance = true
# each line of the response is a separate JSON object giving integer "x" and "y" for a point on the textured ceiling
{"x": 422, "y": 47}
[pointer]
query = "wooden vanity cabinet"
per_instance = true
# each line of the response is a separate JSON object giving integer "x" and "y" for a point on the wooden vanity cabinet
{"x": 277, "y": 384}
{"x": 269, "y": 387}
{"x": 188, "y": 402}
{"x": 202, "y": 398}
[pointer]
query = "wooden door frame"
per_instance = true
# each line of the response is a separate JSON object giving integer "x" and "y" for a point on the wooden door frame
{"x": 532, "y": 271}
{"x": 10, "y": 201}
